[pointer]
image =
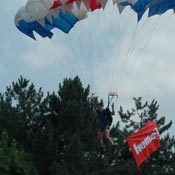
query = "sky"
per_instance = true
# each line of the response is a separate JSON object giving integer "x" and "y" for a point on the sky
{"x": 109, "y": 51}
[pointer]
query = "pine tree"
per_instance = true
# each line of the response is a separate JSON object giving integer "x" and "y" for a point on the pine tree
{"x": 59, "y": 133}
{"x": 136, "y": 118}
{"x": 23, "y": 117}
{"x": 13, "y": 158}
{"x": 75, "y": 132}
{"x": 20, "y": 105}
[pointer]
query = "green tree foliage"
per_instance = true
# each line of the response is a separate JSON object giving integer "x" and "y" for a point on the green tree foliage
{"x": 74, "y": 135}
{"x": 13, "y": 159}
{"x": 21, "y": 115}
{"x": 20, "y": 110}
{"x": 59, "y": 132}
{"x": 161, "y": 161}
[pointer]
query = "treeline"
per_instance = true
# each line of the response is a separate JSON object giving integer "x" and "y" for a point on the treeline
{"x": 55, "y": 134}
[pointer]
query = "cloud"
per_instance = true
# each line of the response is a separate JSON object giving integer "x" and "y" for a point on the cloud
{"x": 9, "y": 6}
{"x": 2, "y": 70}
{"x": 94, "y": 49}
{"x": 43, "y": 53}
{"x": 99, "y": 53}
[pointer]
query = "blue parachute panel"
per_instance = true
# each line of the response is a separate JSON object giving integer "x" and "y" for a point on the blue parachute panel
{"x": 28, "y": 28}
{"x": 48, "y": 25}
{"x": 161, "y": 7}
{"x": 139, "y": 7}
{"x": 65, "y": 21}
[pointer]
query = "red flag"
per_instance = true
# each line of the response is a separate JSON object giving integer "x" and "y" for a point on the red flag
{"x": 144, "y": 142}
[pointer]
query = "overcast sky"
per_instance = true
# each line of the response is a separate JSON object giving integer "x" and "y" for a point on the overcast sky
{"x": 110, "y": 53}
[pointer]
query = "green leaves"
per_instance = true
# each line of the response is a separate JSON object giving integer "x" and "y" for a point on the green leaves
{"x": 57, "y": 134}
{"x": 13, "y": 159}
{"x": 134, "y": 119}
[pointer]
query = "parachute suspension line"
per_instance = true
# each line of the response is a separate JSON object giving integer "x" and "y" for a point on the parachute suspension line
{"x": 147, "y": 32}
{"x": 114, "y": 39}
{"x": 88, "y": 51}
{"x": 124, "y": 61}
{"x": 48, "y": 47}
{"x": 103, "y": 55}
{"x": 82, "y": 64}
{"x": 106, "y": 40}
{"x": 89, "y": 56}
{"x": 113, "y": 35}
{"x": 112, "y": 32}
{"x": 127, "y": 61}
{"x": 77, "y": 51}
{"x": 153, "y": 27}
{"x": 94, "y": 52}
{"x": 47, "y": 19}
{"x": 110, "y": 44}
{"x": 92, "y": 42}
{"x": 76, "y": 56}
{"x": 145, "y": 43}
{"x": 112, "y": 47}
{"x": 67, "y": 58}
{"x": 75, "y": 61}
{"x": 71, "y": 41}
{"x": 116, "y": 56}
{"x": 121, "y": 33}
{"x": 111, "y": 60}
{"x": 107, "y": 54}
{"x": 101, "y": 42}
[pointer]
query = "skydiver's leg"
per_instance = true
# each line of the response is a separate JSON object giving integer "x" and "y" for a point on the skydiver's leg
{"x": 100, "y": 140}
{"x": 107, "y": 135}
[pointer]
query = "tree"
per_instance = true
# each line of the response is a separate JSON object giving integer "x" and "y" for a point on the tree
{"x": 20, "y": 110}
{"x": 160, "y": 161}
{"x": 75, "y": 135}
{"x": 13, "y": 159}
{"x": 58, "y": 131}
{"x": 22, "y": 114}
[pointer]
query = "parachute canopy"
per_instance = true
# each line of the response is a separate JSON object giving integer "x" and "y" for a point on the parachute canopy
{"x": 41, "y": 16}
{"x": 154, "y": 6}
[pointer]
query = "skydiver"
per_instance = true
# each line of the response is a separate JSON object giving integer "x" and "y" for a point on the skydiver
{"x": 104, "y": 125}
